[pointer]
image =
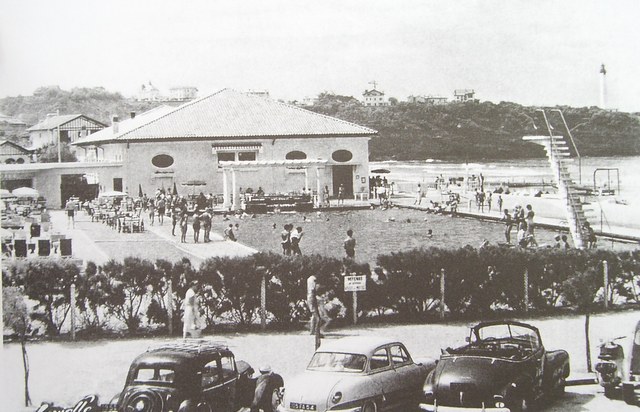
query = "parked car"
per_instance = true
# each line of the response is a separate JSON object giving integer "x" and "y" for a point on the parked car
{"x": 195, "y": 376}
{"x": 358, "y": 374}
{"x": 631, "y": 386}
{"x": 503, "y": 367}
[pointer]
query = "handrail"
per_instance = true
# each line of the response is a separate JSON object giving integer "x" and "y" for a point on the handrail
{"x": 573, "y": 143}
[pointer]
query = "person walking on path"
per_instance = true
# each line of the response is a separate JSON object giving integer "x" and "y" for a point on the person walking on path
{"x": 190, "y": 321}
{"x": 70, "y": 207}
{"x": 418, "y": 195}
{"x": 175, "y": 218}
{"x": 296, "y": 236}
{"x": 508, "y": 225}
{"x": 312, "y": 303}
{"x": 152, "y": 211}
{"x": 341, "y": 194}
{"x": 349, "y": 245}
{"x": 161, "y": 209}
{"x": 489, "y": 200}
{"x": 499, "y": 202}
{"x": 206, "y": 224}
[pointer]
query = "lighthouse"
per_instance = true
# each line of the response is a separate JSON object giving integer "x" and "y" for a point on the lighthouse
{"x": 603, "y": 87}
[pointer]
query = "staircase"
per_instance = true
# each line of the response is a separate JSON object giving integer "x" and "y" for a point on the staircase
{"x": 559, "y": 157}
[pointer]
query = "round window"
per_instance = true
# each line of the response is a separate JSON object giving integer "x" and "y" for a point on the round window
{"x": 342, "y": 156}
{"x": 162, "y": 160}
{"x": 296, "y": 155}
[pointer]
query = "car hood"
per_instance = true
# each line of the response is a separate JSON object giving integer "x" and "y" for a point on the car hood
{"x": 316, "y": 387}
{"x": 473, "y": 375}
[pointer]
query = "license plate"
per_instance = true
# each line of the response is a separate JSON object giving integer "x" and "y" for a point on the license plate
{"x": 302, "y": 406}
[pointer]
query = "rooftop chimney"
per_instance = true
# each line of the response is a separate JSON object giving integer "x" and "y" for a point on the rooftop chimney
{"x": 115, "y": 122}
{"x": 132, "y": 114}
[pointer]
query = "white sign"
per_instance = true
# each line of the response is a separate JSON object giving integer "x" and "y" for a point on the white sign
{"x": 355, "y": 283}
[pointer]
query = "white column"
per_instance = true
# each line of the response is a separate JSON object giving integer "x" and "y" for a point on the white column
{"x": 319, "y": 190}
{"x": 234, "y": 191}
{"x": 306, "y": 178}
{"x": 225, "y": 190}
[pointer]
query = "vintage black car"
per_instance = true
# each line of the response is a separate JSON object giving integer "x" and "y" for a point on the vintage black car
{"x": 503, "y": 367}
{"x": 195, "y": 376}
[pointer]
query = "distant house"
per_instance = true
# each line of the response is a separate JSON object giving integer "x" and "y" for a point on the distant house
{"x": 464, "y": 95}
{"x": 13, "y": 128}
{"x": 149, "y": 93}
{"x": 374, "y": 98}
{"x": 433, "y": 100}
{"x": 11, "y": 153}
{"x": 182, "y": 93}
{"x": 67, "y": 128}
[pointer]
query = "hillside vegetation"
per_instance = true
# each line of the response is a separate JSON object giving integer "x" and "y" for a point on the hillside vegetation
{"x": 469, "y": 131}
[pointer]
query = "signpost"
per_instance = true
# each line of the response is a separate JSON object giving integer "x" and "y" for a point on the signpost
{"x": 355, "y": 283}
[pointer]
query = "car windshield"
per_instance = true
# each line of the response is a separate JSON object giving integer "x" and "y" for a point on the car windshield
{"x": 337, "y": 362}
{"x": 154, "y": 375}
{"x": 507, "y": 331}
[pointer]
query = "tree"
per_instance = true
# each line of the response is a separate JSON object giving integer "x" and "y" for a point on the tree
{"x": 581, "y": 290}
{"x": 128, "y": 288}
{"x": 16, "y": 317}
{"x": 48, "y": 282}
{"x": 49, "y": 154}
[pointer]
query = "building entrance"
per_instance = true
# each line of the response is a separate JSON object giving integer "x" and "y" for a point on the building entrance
{"x": 343, "y": 175}
{"x": 76, "y": 185}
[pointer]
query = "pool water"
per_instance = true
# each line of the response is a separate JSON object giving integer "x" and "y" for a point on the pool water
{"x": 376, "y": 231}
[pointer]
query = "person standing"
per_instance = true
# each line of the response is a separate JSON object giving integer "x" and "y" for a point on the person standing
{"x": 508, "y": 225}
{"x": 285, "y": 240}
{"x": 175, "y": 218}
{"x": 499, "y": 202}
{"x": 190, "y": 324}
{"x": 206, "y": 218}
{"x": 418, "y": 195}
{"x": 184, "y": 225}
{"x": 296, "y": 236}
{"x": 565, "y": 243}
{"x": 529, "y": 219}
{"x": 349, "y": 245}
{"x": 341, "y": 194}
{"x": 196, "y": 228}
{"x": 312, "y": 303}
{"x": 489, "y": 200}
{"x": 161, "y": 209}
{"x": 151, "y": 206}
{"x": 325, "y": 194}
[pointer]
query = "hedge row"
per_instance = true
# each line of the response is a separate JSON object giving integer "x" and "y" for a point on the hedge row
{"x": 133, "y": 293}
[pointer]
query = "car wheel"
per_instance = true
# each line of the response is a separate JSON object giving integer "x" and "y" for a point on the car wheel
{"x": 369, "y": 406}
{"x": 145, "y": 401}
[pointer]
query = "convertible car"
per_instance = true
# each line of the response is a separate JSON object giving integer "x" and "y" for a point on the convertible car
{"x": 503, "y": 367}
{"x": 356, "y": 374}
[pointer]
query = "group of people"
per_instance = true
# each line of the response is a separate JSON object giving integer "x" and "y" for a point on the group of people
{"x": 322, "y": 304}
{"x": 523, "y": 221}
{"x": 290, "y": 240}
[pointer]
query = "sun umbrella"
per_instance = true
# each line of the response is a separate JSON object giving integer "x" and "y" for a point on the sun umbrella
{"x": 113, "y": 193}
{"x": 25, "y": 192}
{"x": 175, "y": 189}
{"x": 140, "y": 194}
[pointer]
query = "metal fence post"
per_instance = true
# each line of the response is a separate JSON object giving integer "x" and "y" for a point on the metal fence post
{"x": 170, "y": 306}
{"x": 526, "y": 290}
{"x": 605, "y": 274}
{"x": 72, "y": 303}
{"x": 263, "y": 301}
{"x": 442, "y": 290}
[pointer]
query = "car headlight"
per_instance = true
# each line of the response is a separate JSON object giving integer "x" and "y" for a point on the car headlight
{"x": 428, "y": 392}
{"x": 336, "y": 397}
{"x": 606, "y": 367}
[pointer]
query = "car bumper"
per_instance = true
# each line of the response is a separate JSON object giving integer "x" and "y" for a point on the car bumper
{"x": 439, "y": 408}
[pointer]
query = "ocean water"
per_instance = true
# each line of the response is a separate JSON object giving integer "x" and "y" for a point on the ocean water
{"x": 405, "y": 175}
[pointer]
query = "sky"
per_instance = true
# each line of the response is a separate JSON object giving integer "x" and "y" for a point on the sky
{"x": 538, "y": 52}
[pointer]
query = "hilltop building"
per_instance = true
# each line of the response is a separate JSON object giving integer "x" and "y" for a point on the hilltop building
{"x": 64, "y": 128}
{"x": 148, "y": 93}
{"x": 464, "y": 95}
{"x": 374, "y": 98}
{"x": 432, "y": 100}
{"x": 183, "y": 93}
